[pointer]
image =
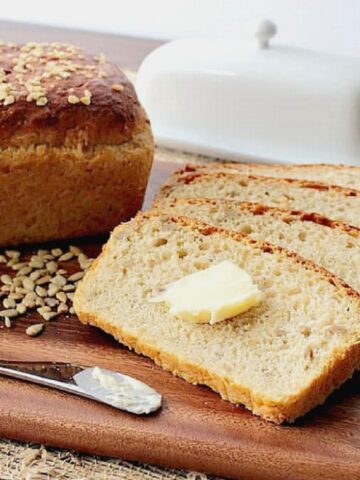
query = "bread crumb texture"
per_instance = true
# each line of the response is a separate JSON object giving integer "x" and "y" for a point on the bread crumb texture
{"x": 279, "y": 359}
{"x": 338, "y": 203}
{"x": 333, "y": 245}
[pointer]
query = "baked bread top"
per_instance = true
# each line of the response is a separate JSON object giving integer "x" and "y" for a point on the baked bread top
{"x": 58, "y": 94}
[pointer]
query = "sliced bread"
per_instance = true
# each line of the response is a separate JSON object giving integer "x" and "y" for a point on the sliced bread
{"x": 279, "y": 359}
{"x": 342, "y": 175}
{"x": 338, "y": 203}
{"x": 333, "y": 245}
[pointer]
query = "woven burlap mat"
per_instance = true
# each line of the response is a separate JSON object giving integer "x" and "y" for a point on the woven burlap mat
{"x": 34, "y": 462}
{"x": 31, "y": 462}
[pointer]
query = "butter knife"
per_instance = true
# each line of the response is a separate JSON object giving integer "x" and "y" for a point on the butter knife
{"x": 106, "y": 386}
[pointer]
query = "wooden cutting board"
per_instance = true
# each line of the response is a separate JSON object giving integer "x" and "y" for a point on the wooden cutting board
{"x": 195, "y": 429}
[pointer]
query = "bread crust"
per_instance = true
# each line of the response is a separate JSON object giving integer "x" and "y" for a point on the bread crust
{"x": 76, "y": 146}
{"x": 342, "y": 368}
{"x": 271, "y": 168}
{"x": 344, "y": 361}
{"x": 110, "y": 117}
{"x": 50, "y": 193}
{"x": 180, "y": 178}
{"x": 259, "y": 209}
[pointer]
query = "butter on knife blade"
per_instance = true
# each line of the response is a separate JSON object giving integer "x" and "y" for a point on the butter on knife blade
{"x": 106, "y": 386}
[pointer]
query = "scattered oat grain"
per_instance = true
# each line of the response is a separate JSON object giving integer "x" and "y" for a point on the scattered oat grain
{"x": 12, "y": 253}
{"x": 76, "y": 276}
{"x": 66, "y": 257}
{"x": 43, "y": 280}
{"x": 10, "y": 312}
{"x": 75, "y": 250}
{"x": 62, "y": 297}
{"x": 28, "y": 284}
{"x": 36, "y": 262}
{"x": 52, "y": 266}
{"x": 40, "y": 291}
{"x": 9, "y": 303}
{"x": 43, "y": 309}
{"x": 16, "y": 296}
{"x": 35, "y": 275}
{"x": 50, "y": 315}
{"x": 53, "y": 289}
{"x": 39, "y": 302}
{"x": 25, "y": 270}
{"x": 21, "y": 290}
{"x": 63, "y": 308}
{"x": 35, "y": 329}
{"x": 21, "y": 308}
{"x": 51, "y": 302}
{"x": 6, "y": 279}
{"x": 59, "y": 280}
{"x": 18, "y": 266}
{"x": 69, "y": 287}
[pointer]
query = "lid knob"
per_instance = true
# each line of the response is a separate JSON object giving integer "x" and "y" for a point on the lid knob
{"x": 266, "y": 29}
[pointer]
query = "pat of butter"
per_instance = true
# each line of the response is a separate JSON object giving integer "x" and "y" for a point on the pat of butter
{"x": 211, "y": 295}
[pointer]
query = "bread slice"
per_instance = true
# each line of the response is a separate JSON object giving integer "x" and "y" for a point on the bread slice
{"x": 338, "y": 203}
{"x": 333, "y": 245}
{"x": 279, "y": 359}
{"x": 347, "y": 176}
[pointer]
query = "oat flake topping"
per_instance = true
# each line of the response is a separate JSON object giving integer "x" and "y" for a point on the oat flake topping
{"x": 32, "y": 70}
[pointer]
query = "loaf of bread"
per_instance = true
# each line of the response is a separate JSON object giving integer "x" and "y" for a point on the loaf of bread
{"x": 338, "y": 203}
{"x": 279, "y": 359}
{"x": 76, "y": 146}
{"x": 333, "y": 245}
{"x": 347, "y": 176}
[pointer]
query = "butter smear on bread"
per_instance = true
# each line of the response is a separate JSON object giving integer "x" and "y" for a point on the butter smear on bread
{"x": 211, "y": 295}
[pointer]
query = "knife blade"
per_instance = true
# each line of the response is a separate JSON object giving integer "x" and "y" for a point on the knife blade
{"x": 106, "y": 386}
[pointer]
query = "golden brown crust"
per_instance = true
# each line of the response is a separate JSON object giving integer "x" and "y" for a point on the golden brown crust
{"x": 180, "y": 178}
{"x": 342, "y": 367}
{"x": 271, "y": 169}
{"x": 50, "y": 192}
{"x": 106, "y": 112}
{"x": 271, "y": 166}
{"x": 259, "y": 209}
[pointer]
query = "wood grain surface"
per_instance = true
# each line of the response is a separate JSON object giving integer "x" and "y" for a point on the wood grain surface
{"x": 195, "y": 429}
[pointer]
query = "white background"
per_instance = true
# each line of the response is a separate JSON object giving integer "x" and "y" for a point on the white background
{"x": 330, "y": 25}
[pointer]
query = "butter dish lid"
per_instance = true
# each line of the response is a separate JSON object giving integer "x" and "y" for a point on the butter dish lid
{"x": 236, "y": 99}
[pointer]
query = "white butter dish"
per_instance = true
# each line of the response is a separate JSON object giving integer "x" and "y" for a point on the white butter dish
{"x": 236, "y": 99}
